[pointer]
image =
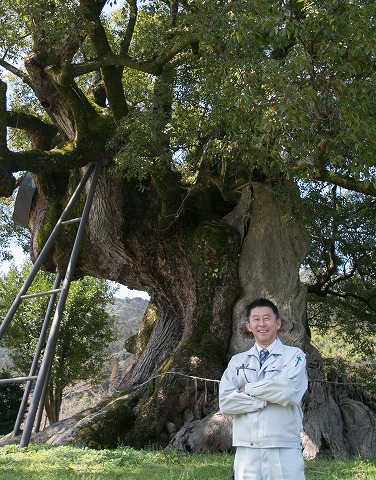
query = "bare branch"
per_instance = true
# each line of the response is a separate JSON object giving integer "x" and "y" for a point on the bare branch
{"x": 344, "y": 181}
{"x": 153, "y": 66}
{"x": 17, "y": 72}
{"x": 125, "y": 43}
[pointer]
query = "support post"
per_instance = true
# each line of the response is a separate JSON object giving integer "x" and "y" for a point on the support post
{"x": 52, "y": 339}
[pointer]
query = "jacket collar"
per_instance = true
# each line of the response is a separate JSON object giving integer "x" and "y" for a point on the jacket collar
{"x": 277, "y": 350}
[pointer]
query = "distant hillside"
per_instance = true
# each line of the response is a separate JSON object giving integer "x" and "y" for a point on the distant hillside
{"x": 128, "y": 313}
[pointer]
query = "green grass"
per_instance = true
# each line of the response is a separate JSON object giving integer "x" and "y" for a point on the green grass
{"x": 71, "y": 463}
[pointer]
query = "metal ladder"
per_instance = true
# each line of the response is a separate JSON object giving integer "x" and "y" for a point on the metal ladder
{"x": 60, "y": 289}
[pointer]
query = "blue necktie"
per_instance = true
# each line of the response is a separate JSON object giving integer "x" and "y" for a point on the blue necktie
{"x": 264, "y": 354}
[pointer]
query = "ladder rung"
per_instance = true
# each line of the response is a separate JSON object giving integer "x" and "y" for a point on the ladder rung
{"x": 17, "y": 379}
{"x": 72, "y": 220}
{"x": 40, "y": 294}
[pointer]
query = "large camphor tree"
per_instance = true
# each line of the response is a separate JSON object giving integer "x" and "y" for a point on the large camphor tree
{"x": 208, "y": 116}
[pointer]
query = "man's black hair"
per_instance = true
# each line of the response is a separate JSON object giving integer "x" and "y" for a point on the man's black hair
{"x": 261, "y": 302}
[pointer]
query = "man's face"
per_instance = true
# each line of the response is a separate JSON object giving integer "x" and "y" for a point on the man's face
{"x": 264, "y": 325}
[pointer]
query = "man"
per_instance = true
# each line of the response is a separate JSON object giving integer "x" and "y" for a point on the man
{"x": 262, "y": 389}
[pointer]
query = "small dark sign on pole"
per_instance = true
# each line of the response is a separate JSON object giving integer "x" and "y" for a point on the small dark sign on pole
{"x": 24, "y": 198}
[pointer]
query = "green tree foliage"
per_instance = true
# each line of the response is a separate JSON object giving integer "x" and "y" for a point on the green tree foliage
{"x": 285, "y": 86}
{"x": 340, "y": 354}
{"x": 340, "y": 274}
{"x": 85, "y": 332}
{"x": 10, "y": 400}
{"x": 225, "y": 88}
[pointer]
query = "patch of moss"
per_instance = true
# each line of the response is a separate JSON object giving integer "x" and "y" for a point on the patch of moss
{"x": 146, "y": 328}
{"x": 130, "y": 344}
{"x": 211, "y": 241}
{"x": 65, "y": 149}
{"x": 213, "y": 248}
{"x": 55, "y": 196}
{"x": 112, "y": 427}
{"x": 101, "y": 128}
{"x": 61, "y": 187}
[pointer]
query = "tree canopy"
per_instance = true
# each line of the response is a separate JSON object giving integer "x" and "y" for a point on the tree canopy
{"x": 287, "y": 84}
{"x": 193, "y": 94}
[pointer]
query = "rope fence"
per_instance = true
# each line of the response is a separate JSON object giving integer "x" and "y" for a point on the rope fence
{"x": 217, "y": 381}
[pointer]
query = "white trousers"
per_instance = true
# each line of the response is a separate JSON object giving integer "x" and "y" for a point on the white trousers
{"x": 268, "y": 464}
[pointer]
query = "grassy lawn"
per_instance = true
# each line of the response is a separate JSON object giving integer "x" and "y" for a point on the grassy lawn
{"x": 68, "y": 463}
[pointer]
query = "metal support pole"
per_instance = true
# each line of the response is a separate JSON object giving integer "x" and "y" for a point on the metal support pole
{"x": 52, "y": 339}
{"x": 38, "y": 419}
{"x": 45, "y": 250}
{"x": 17, "y": 379}
{"x": 38, "y": 350}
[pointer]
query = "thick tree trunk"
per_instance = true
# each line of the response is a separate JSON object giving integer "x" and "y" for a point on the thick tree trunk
{"x": 201, "y": 271}
{"x": 273, "y": 248}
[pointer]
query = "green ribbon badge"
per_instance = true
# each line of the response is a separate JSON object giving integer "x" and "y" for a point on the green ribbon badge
{"x": 298, "y": 360}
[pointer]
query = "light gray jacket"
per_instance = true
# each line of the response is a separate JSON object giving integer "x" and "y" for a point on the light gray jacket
{"x": 282, "y": 381}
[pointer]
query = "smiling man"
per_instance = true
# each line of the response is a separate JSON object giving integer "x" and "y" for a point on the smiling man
{"x": 262, "y": 389}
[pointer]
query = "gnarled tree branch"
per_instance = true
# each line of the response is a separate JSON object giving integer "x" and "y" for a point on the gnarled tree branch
{"x": 111, "y": 74}
{"x": 40, "y": 133}
{"x": 153, "y": 66}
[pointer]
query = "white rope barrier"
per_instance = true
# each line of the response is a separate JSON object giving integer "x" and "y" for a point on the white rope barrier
{"x": 178, "y": 374}
{"x": 217, "y": 381}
